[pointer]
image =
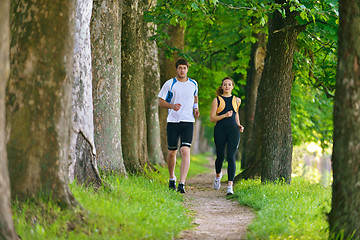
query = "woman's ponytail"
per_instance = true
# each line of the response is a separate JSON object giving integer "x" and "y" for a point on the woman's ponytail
{"x": 219, "y": 91}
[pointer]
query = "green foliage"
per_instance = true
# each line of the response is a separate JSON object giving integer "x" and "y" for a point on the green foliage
{"x": 218, "y": 50}
{"x": 311, "y": 115}
{"x": 315, "y": 73}
{"x": 218, "y": 39}
{"x": 296, "y": 211}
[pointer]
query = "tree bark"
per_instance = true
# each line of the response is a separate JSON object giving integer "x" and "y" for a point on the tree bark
{"x": 38, "y": 99}
{"x": 106, "y": 54}
{"x": 167, "y": 71}
{"x": 152, "y": 88}
{"x": 271, "y": 143}
{"x": 7, "y": 230}
{"x": 256, "y": 67}
{"x": 82, "y": 102}
{"x": 345, "y": 213}
{"x": 133, "y": 121}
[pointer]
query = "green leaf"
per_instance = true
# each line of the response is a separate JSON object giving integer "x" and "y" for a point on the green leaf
{"x": 183, "y": 23}
{"x": 303, "y": 15}
{"x": 195, "y": 6}
{"x": 173, "y": 21}
{"x": 253, "y": 39}
{"x": 262, "y": 21}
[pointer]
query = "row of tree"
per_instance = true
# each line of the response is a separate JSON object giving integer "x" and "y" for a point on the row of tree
{"x": 81, "y": 84}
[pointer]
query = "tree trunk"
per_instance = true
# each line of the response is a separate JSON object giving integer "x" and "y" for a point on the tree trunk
{"x": 152, "y": 88}
{"x": 197, "y": 139}
{"x": 7, "y": 230}
{"x": 270, "y": 148}
{"x": 204, "y": 146}
{"x": 275, "y": 92}
{"x": 106, "y": 53}
{"x": 256, "y": 67}
{"x": 38, "y": 99}
{"x": 167, "y": 71}
{"x": 133, "y": 121}
{"x": 82, "y": 147}
{"x": 345, "y": 212}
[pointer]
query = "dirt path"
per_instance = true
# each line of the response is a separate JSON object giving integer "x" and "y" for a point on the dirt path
{"x": 216, "y": 217}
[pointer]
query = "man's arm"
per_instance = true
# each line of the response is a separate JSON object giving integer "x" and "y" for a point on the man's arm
{"x": 196, "y": 107}
{"x": 165, "y": 104}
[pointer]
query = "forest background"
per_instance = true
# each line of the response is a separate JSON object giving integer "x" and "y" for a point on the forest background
{"x": 79, "y": 86}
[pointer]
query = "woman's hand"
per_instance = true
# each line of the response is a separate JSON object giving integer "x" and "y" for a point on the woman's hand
{"x": 228, "y": 114}
{"x": 241, "y": 127}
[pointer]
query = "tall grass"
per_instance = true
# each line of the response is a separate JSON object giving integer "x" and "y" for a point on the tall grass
{"x": 295, "y": 211}
{"x": 136, "y": 207}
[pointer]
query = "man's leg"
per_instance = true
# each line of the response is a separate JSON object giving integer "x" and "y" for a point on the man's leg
{"x": 185, "y": 163}
{"x": 171, "y": 162}
{"x": 186, "y": 139}
{"x": 172, "y": 138}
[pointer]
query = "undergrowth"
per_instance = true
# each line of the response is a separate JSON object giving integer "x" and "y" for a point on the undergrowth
{"x": 142, "y": 207}
{"x": 134, "y": 207}
{"x": 286, "y": 211}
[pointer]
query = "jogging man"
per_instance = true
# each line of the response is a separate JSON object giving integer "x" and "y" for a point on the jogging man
{"x": 180, "y": 96}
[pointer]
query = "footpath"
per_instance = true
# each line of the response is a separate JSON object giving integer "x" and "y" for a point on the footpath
{"x": 215, "y": 215}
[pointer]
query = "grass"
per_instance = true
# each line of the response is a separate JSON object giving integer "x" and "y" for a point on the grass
{"x": 137, "y": 207}
{"x": 197, "y": 166}
{"x": 295, "y": 211}
{"x": 142, "y": 207}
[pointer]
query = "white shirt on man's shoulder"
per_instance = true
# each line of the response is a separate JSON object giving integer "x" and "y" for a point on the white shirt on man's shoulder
{"x": 184, "y": 94}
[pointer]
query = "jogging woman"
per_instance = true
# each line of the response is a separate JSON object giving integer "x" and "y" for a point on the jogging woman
{"x": 224, "y": 111}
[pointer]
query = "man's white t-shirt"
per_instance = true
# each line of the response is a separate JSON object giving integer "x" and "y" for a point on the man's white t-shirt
{"x": 184, "y": 93}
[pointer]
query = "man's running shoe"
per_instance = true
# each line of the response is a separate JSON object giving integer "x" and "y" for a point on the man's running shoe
{"x": 217, "y": 181}
{"x": 172, "y": 184}
{"x": 181, "y": 188}
{"x": 229, "y": 190}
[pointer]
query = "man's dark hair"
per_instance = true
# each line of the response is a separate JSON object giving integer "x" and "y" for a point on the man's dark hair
{"x": 181, "y": 61}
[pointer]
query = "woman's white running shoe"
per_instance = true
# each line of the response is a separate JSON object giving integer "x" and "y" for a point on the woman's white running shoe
{"x": 217, "y": 182}
{"x": 229, "y": 190}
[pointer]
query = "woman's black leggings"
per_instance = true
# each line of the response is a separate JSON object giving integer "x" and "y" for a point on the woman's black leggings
{"x": 226, "y": 135}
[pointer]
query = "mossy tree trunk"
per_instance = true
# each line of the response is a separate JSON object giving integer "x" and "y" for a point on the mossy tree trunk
{"x": 7, "y": 230}
{"x": 38, "y": 99}
{"x": 106, "y": 68}
{"x": 345, "y": 213}
{"x": 167, "y": 71}
{"x": 152, "y": 88}
{"x": 133, "y": 117}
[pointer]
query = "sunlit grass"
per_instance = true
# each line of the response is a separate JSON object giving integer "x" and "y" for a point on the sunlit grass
{"x": 295, "y": 211}
{"x": 136, "y": 207}
{"x": 142, "y": 207}
{"x": 197, "y": 166}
